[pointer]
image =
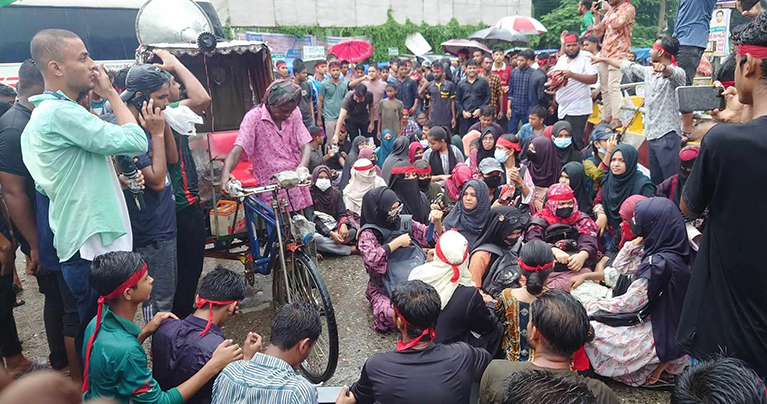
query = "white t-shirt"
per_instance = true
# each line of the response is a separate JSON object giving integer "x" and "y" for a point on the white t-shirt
{"x": 575, "y": 97}
{"x": 93, "y": 246}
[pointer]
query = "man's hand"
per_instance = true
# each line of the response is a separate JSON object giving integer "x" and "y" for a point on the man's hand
{"x": 371, "y": 127}
{"x": 251, "y": 346}
{"x": 733, "y": 111}
{"x": 508, "y": 110}
{"x": 346, "y": 397}
{"x": 169, "y": 62}
{"x": 343, "y": 231}
{"x": 152, "y": 119}
{"x": 140, "y": 181}
{"x": 466, "y": 114}
{"x": 33, "y": 262}
{"x": 103, "y": 85}
{"x": 319, "y": 122}
{"x": 575, "y": 263}
{"x": 612, "y": 143}
{"x": 154, "y": 324}
{"x": 452, "y": 122}
{"x": 659, "y": 68}
{"x": 475, "y": 114}
{"x": 567, "y": 74}
{"x": 596, "y": 59}
{"x": 226, "y": 353}
{"x": 505, "y": 89}
{"x": 595, "y": 94}
{"x": 7, "y": 256}
{"x": 226, "y": 178}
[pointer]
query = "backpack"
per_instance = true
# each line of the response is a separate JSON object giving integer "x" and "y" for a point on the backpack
{"x": 503, "y": 272}
{"x": 402, "y": 261}
{"x": 563, "y": 235}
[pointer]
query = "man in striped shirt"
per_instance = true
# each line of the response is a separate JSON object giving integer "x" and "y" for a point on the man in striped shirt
{"x": 270, "y": 377}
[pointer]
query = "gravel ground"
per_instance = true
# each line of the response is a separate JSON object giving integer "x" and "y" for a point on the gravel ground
{"x": 346, "y": 279}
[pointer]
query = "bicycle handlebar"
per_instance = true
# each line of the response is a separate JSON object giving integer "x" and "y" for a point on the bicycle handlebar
{"x": 265, "y": 189}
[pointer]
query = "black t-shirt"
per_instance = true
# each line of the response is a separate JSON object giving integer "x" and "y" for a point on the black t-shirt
{"x": 439, "y": 374}
{"x": 305, "y": 103}
{"x": 357, "y": 112}
{"x": 465, "y": 312}
{"x": 4, "y": 106}
{"x": 726, "y": 302}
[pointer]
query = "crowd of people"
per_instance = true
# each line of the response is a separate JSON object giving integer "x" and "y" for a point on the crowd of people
{"x": 507, "y": 242}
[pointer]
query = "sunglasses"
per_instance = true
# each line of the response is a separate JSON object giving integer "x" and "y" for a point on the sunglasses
{"x": 523, "y": 220}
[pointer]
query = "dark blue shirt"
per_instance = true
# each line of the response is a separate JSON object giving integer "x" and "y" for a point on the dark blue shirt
{"x": 519, "y": 90}
{"x": 692, "y": 22}
{"x": 407, "y": 92}
{"x": 179, "y": 352}
{"x": 49, "y": 258}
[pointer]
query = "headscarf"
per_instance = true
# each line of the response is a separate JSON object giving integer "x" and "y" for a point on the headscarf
{"x": 544, "y": 164}
{"x": 454, "y": 183}
{"x": 398, "y": 155}
{"x": 375, "y": 208}
{"x": 449, "y": 269}
{"x": 580, "y": 185}
{"x": 414, "y": 148}
{"x": 665, "y": 244}
{"x": 351, "y": 158}
{"x": 501, "y": 222}
{"x": 560, "y": 193}
{"x": 571, "y": 153}
{"x": 363, "y": 179}
{"x": 327, "y": 201}
{"x": 482, "y": 153}
{"x": 687, "y": 157}
{"x": 385, "y": 149}
{"x": 617, "y": 188}
{"x": 470, "y": 222}
{"x": 414, "y": 201}
{"x": 627, "y": 214}
{"x": 435, "y": 160}
{"x": 282, "y": 92}
{"x": 368, "y": 153}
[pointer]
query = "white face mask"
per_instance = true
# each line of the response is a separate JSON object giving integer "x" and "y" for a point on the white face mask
{"x": 323, "y": 184}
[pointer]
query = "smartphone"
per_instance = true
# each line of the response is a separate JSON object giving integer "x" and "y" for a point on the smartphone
{"x": 700, "y": 98}
{"x": 138, "y": 102}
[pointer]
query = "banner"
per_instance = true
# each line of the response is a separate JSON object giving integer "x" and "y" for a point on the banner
{"x": 719, "y": 33}
{"x": 287, "y": 47}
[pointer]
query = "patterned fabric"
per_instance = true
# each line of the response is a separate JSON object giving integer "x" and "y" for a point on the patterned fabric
{"x": 549, "y": 213}
{"x": 281, "y": 92}
{"x": 514, "y": 316}
{"x": 616, "y": 28}
{"x": 659, "y": 98}
{"x": 410, "y": 128}
{"x": 263, "y": 379}
{"x": 495, "y": 91}
{"x": 519, "y": 92}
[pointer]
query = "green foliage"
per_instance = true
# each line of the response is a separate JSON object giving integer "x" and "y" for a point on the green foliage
{"x": 228, "y": 31}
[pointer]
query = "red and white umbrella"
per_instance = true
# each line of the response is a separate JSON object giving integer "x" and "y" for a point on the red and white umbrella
{"x": 520, "y": 24}
{"x": 454, "y": 45}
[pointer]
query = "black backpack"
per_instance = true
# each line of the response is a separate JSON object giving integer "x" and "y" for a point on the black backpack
{"x": 560, "y": 232}
{"x": 503, "y": 272}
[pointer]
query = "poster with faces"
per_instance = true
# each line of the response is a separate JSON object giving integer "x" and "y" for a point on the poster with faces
{"x": 719, "y": 33}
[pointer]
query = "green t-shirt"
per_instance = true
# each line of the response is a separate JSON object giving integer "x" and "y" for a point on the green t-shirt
{"x": 586, "y": 21}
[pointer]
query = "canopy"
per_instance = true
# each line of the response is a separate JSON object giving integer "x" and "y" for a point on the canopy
{"x": 494, "y": 36}
{"x": 353, "y": 50}
{"x": 523, "y": 25}
{"x": 454, "y": 45}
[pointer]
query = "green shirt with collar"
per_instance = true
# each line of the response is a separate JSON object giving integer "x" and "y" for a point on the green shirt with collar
{"x": 118, "y": 365}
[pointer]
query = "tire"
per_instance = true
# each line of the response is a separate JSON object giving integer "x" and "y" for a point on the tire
{"x": 306, "y": 285}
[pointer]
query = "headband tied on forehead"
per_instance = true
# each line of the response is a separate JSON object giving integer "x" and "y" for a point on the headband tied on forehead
{"x": 570, "y": 38}
{"x": 456, "y": 271}
{"x": 660, "y": 48}
{"x": 422, "y": 170}
{"x": 539, "y": 268}
{"x": 565, "y": 195}
{"x": 403, "y": 170}
{"x": 756, "y": 51}
{"x": 201, "y": 302}
{"x": 281, "y": 63}
{"x": 437, "y": 68}
{"x": 131, "y": 282}
{"x": 401, "y": 346}
{"x": 364, "y": 168}
{"x": 508, "y": 144}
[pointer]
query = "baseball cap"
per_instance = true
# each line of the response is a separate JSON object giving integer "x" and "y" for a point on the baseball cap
{"x": 490, "y": 165}
{"x": 601, "y": 132}
{"x": 426, "y": 63}
{"x": 144, "y": 78}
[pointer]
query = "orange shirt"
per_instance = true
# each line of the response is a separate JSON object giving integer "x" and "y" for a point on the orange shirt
{"x": 616, "y": 27}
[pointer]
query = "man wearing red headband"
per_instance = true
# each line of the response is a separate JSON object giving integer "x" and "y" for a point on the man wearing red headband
{"x": 615, "y": 30}
{"x": 282, "y": 70}
{"x": 662, "y": 121}
{"x": 115, "y": 364}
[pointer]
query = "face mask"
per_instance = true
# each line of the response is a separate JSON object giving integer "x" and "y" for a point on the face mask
{"x": 322, "y": 184}
{"x": 423, "y": 184}
{"x": 511, "y": 241}
{"x": 564, "y": 213}
{"x": 393, "y": 215}
{"x": 562, "y": 143}
{"x": 603, "y": 151}
{"x": 493, "y": 182}
{"x": 501, "y": 156}
{"x": 635, "y": 228}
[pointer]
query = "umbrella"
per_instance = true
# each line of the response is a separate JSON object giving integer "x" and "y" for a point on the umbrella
{"x": 454, "y": 45}
{"x": 353, "y": 50}
{"x": 523, "y": 25}
{"x": 494, "y": 36}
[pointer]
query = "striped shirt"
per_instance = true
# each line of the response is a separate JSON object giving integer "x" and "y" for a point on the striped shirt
{"x": 263, "y": 379}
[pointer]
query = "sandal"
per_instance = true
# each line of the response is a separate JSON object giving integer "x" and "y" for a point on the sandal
{"x": 38, "y": 364}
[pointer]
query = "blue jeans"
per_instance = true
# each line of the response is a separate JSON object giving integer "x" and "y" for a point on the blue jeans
{"x": 76, "y": 272}
{"x": 160, "y": 258}
{"x": 515, "y": 120}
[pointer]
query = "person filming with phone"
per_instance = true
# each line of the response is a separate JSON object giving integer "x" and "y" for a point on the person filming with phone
{"x": 662, "y": 120}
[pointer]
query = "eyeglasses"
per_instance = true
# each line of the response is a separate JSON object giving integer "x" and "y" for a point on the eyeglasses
{"x": 523, "y": 220}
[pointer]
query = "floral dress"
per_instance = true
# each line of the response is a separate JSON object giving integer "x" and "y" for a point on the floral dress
{"x": 514, "y": 316}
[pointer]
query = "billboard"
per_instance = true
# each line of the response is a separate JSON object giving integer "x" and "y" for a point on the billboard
{"x": 719, "y": 32}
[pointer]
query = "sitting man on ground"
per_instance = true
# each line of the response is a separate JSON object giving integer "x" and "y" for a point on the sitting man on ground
{"x": 420, "y": 371}
{"x": 270, "y": 377}
{"x": 115, "y": 363}
{"x": 719, "y": 381}
{"x": 182, "y": 347}
{"x": 558, "y": 327}
{"x": 542, "y": 387}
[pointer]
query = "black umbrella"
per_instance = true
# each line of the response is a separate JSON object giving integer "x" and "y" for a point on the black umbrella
{"x": 494, "y": 36}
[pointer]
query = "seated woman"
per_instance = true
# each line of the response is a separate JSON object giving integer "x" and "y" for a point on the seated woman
{"x": 672, "y": 188}
{"x": 359, "y": 143}
{"x": 491, "y": 173}
{"x": 603, "y": 141}
{"x": 513, "y": 306}
{"x": 656, "y": 296}
{"x": 493, "y": 262}
{"x": 404, "y": 183}
{"x": 335, "y": 232}
{"x": 470, "y": 213}
{"x": 544, "y": 166}
{"x": 363, "y": 179}
{"x": 415, "y": 152}
{"x": 485, "y": 149}
{"x": 451, "y": 187}
{"x": 571, "y": 234}
{"x": 387, "y": 142}
{"x": 622, "y": 181}
{"x": 574, "y": 176}
{"x": 433, "y": 191}
{"x": 519, "y": 188}
{"x": 398, "y": 155}
{"x": 465, "y": 317}
{"x": 442, "y": 156}
{"x": 563, "y": 140}
{"x": 368, "y": 153}
{"x": 381, "y": 209}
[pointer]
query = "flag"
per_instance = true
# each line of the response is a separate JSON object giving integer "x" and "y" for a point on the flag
{"x": 6, "y": 2}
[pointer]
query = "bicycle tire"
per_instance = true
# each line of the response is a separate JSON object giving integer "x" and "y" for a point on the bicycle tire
{"x": 301, "y": 281}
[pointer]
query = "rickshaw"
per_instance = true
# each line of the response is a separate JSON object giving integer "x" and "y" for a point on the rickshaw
{"x": 236, "y": 75}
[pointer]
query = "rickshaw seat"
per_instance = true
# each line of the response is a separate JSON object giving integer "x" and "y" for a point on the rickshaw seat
{"x": 219, "y": 146}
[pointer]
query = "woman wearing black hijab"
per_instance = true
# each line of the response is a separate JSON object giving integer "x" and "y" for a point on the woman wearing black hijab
{"x": 485, "y": 148}
{"x": 399, "y": 154}
{"x": 351, "y": 158}
{"x": 404, "y": 183}
{"x": 544, "y": 167}
{"x": 656, "y": 296}
{"x": 562, "y": 136}
{"x": 574, "y": 175}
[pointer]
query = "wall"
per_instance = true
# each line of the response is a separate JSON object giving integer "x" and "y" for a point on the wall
{"x": 357, "y": 13}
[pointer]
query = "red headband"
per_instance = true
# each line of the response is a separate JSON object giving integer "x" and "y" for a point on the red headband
{"x": 437, "y": 68}
{"x": 321, "y": 63}
{"x": 132, "y": 281}
{"x": 660, "y": 48}
{"x": 534, "y": 269}
{"x": 364, "y": 168}
{"x": 403, "y": 170}
{"x": 756, "y": 51}
{"x": 456, "y": 271}
{"x": 424, "y": 170}
{"x": 689, "y": 153}
{"x": 728, "y": 83}
{"x": 542, "y": 62}
{"x": 280, "y": 63}
{"x": 401, "y": 346}
{"x": 201, "y": 302}
{"x": 570, "y": 38}
{"x": 567, "y": 196}
{"x": 508, "y": 144}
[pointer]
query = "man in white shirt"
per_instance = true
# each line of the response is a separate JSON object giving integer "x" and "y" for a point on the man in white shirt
{"x": 574, "y": 98}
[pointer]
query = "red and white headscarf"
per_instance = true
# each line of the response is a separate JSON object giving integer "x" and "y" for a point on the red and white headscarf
{"x": 450, "y": 267}
{"x": 560, "y": 193}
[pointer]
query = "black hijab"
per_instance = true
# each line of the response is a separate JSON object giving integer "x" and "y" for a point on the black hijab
{"x": 616, "y": 188}
{"x": 375, "y": 209}
{"x": 580, "y": 186}
{"x": 570, "y": 153}
{"x": 435, "y": 160}
{"x": 687, "y": 157}
{"x": 544, "y": 164}
{"x": 665, "y": 246}
{"x": 399, "y": 154}
{"x": 503, "y": 220}
{"x": 482, "y": 153}
{"x": 414, "y": 201}
{"x": 351, "y": 158}
{"x": 470, "y": 222}
{"x": 327, "y": 201}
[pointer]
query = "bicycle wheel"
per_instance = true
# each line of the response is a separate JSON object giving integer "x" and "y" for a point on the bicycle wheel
{"x": 305, "y": 284}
